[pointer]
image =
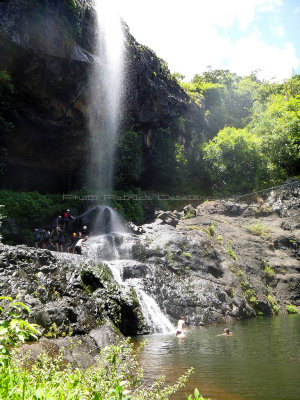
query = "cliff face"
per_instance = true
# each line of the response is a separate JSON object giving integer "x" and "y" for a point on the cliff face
{"x": 217, "y": 263}
{"x": 66, "y": 293}
{"x": 48, "y": 52}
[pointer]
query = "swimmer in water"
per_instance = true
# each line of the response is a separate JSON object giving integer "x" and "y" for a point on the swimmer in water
{"x": 226, "y": 333}
{"x": 180, "y": 326}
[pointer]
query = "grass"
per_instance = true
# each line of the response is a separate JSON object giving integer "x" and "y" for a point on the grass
{"x": 231, "y": 253}
{"x": 195, "y": 228}
{"x": 211, "y": 231}
{"x": 259, "y": 230}
{"x": 220, "y": 239}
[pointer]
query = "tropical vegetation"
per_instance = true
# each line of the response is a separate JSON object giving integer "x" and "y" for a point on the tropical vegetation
{"x": 116, "y": 374}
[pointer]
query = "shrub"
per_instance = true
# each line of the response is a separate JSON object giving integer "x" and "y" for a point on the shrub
{"x": 235, "y": 160}
{"x": 291, "y": 309}
{"x": 128, "y": 206}
{"x": 269, "y": 272}
{"x": 116, "y": 375}
{"x": 189, "y": 214}
{"x": 13, "y": 328}
{"x": 273, "y": 304}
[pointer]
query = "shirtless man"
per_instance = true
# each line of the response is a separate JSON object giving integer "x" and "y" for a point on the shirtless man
{"x": 180, "y": 325}
{"x": 226, "y": 333}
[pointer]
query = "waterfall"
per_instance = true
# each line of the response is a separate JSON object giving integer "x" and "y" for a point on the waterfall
{"x": 110, "y": 241}
{"x": 116, "y": 250}
{"x": 104, "y": 102}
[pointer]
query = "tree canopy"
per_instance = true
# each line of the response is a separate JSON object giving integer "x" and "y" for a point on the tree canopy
{"x": 253, "y": 129}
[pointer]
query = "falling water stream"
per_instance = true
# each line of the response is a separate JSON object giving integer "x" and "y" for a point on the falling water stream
{"x": 104, "y": 102}
{"x": 115, "y": 248}
{"x": 110, "y": 241}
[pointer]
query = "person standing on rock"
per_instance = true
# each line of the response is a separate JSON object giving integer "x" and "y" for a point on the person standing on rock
{"x": 180, "y": 326}
{"x": 68, "y": 219}
{"x": 74, "y": 239}
{"x": 85, "y": 232}
{"x": 37, "y": 236}
{"x": 78, "y": 247}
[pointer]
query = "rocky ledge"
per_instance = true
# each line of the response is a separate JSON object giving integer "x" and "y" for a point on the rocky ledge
{"x": 226, "y": 260}
{"x": 216, "y": 262}
{"x": 67, "y": 294}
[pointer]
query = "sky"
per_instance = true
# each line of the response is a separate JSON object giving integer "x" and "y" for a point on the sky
{"x": 240, "y": 35}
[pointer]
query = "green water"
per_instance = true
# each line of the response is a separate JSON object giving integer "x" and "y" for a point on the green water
{"x": 261, "y": 361}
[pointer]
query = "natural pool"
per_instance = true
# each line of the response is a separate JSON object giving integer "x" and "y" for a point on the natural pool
{"x": 260, "y": 362}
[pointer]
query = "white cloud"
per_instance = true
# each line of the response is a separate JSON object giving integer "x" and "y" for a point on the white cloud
{"x": 297, "y": 10}
{"x": 251, "y": 53}
{"x": 270, "y": 5}
{"x": 277, "y": 30}
{"x": 186, "y": 35}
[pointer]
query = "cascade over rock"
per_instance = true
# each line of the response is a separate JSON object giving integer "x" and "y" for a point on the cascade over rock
{"x": 226, "y": 261}
{"x": 48, "y": 52}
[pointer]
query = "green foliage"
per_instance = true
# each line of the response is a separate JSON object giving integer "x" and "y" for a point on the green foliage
{"x": 277, "y": 122}
{"x": 211, "y": 231}
{"x": 273, "y": 304}
{"x": 196, "y": 396}
{"x": 194, "y": 227}
{"x": 32, "y": 210}
{"x": 127, "y": 205}
{"x": 291, "y": 87}
{"x": 116, "y": 375}
{"x": 269, "y": 272}
{"x": 178, "y": 77}
{"x": 187, "y": 255}
{"x": 129, "y": 161}
{"x": 189, "y": 214}
{"x": 235, "y": 160}
{"x": 259, "y": 230}
{"x": 26, "y": 207}
{"x": 169, "y": 162}
{"x": 52, "y": 332}
{"x": 245, "y": 285}
{"x": 13, "y": 328}
{"x": 220, "y": 239}
{"x": 231, "y": 253}
{"x": 292, "y": 309}
{"x": 255, "y": 128}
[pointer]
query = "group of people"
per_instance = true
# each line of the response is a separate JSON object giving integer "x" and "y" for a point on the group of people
{"x": 180, "y": 329}
{"x": 60, "y": 236}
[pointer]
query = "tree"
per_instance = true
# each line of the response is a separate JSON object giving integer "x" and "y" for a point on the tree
{"x": 277, "y": 123}
{"x": 179, "y": 77}
{"x": 235, "y": 160}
